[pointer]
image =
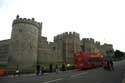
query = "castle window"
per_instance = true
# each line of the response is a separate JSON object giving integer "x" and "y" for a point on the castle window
{"x": 20, "y": 30}
{"x": 54, "y": 48}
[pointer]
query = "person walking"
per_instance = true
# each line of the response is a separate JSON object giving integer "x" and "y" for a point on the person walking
{"x": 37, "y": 70}
{"x": 42, "y": 71}
{"x": 63, "y": 67}
{"x": 17, "y": 72}
{"x": 50, "y": 68}
{"x": 56, "y": 68}
{"x": 111, "y": 64}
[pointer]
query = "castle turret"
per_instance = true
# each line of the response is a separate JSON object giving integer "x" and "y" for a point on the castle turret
{"x": 68, "y": 43}
{"x": 24, "y": 43}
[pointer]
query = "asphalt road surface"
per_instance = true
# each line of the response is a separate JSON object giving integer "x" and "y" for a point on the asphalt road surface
{"x": 98, "y": 75}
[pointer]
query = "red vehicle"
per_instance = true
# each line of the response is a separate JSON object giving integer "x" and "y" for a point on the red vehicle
{"x": 2, "y": 72}
{"x": 88, "y": 60}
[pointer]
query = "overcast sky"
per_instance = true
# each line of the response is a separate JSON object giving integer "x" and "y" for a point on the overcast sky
{"x": 103, "y": 20}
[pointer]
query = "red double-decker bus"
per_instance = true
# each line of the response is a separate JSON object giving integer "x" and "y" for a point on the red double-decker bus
{"x": 88, "y": 60}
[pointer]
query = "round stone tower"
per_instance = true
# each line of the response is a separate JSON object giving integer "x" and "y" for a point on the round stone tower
{"x": 24, "y": 43}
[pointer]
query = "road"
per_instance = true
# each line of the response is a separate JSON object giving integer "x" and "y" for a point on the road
{"x": 98, "y": 75}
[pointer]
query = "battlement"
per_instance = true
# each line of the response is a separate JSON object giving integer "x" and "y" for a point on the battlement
{"x": 27, "y": 21}
{"x": 97, "y": 43}
{"x": 88, "y": 40}
{"x": 67, "y": 34}
{"x": 107, "y": 45}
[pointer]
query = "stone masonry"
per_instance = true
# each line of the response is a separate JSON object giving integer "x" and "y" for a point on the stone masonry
{"x": 27, "y": 47}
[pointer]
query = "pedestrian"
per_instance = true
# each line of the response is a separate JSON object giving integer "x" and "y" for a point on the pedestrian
{"x": 41, "y": 70}
{"x": 16, "y": 72}
{"x": 111, "y": 64}
{"x": 50, "y": 68}
{"x": 37, "y": 69}
{"x": 63, "y": 67}
{"x": 108, "y": 65}
{"x": 57, "y": 68}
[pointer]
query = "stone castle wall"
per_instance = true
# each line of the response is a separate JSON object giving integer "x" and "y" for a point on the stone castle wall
{"x": 24, "y": 42}
{"x": 107, "y": 49}
{"x": 68, "y": 44}
{"x": 27, "y": 47}
{"x": 91, "y": 46}
{"x": 4, "y": 52}
{"x": 44, "y": 51}
{"x": 88, "y": 45}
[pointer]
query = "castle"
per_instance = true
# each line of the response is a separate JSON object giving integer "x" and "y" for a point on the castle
{"x": 27, "y": 47}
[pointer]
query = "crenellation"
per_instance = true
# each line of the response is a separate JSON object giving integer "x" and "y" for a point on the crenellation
{"x": 33, "y": 19}
{"x": 66, "y": 35}
{"x": 70, "y": 33}
{"x": 88, "y": 40}
{"x": 60, "y": 36}
{"x": 17, "y": 17}
{"x": 75, "y": 34}
{"x": 97, "y": 43}
{"x": 26, "y": 21}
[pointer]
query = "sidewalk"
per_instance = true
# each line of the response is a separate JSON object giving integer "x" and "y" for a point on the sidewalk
{"x": 32, "y": 75}
{"x": 12, "y": 76}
